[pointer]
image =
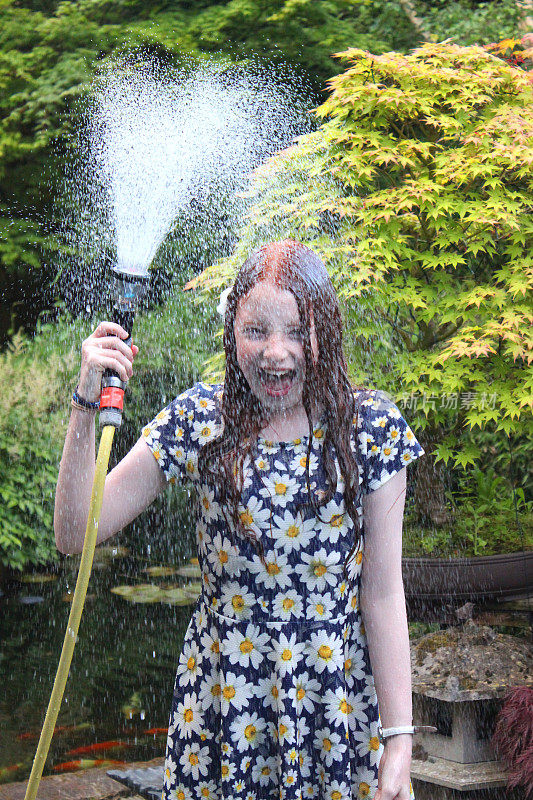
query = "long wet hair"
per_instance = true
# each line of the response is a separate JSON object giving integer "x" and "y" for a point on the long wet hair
{"x": 293, "y": 267}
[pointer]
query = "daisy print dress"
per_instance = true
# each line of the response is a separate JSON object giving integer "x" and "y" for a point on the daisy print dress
{"x": 274, "y": 697}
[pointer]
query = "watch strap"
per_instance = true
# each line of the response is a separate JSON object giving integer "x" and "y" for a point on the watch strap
{"x": 384, "y": 733}
{"x": 396, "y": 731}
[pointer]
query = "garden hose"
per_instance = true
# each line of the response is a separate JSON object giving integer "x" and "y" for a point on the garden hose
{"x": 78, "y": 601}
{"x": 129, "y": 291}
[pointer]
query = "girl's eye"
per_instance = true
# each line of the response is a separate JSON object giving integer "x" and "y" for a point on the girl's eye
{"x": 253, "y": 333}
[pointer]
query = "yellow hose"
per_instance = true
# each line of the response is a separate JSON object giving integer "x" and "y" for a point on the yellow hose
{"x": 78, "y": 601}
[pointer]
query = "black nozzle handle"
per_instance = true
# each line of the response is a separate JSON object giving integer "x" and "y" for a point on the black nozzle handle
{"x": 125, "y": 320}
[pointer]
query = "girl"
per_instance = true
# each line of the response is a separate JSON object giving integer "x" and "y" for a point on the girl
{"x": 295, "y": 471}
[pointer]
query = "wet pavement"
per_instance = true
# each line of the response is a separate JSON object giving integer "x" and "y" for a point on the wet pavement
{"x": 90, "y": 784}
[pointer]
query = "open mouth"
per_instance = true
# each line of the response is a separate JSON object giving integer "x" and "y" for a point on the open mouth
{"x": 277, "y": 383}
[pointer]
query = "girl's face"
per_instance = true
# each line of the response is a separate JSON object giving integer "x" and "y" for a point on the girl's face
{"x": 269, "y": 347}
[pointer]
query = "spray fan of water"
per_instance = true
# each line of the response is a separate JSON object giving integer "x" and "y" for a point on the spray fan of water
{"x": 157, "y": 143}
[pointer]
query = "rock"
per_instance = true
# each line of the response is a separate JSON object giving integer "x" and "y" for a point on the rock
{"x": 465, "y": 612}
{"x": 472, "y": 662}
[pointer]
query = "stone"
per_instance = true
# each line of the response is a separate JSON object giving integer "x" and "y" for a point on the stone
{"x": 90, "y": 784}
{"x": 469, "y": 662}
{"x": 463, "y": 777}
{"x": 147, "y": 782}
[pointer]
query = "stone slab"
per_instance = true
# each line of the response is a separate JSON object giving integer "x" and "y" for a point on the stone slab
{"x": 430, "y": 791}
{"x": 88, "y": 784}
{"x": 148, "y": 781}
{"x": 462, "y": 777}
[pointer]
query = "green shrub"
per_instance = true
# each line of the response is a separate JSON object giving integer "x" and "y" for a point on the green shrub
{"x": 38, "y": 377}
{"x": 486, "y": 521}
{"x": 467, "y": 22}
{"x": 30, "y": 435}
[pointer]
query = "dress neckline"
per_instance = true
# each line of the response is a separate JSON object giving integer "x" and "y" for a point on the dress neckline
{"x": 318, "y": 428}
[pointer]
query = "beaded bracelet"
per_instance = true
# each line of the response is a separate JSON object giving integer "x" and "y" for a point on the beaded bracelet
{"x": 83, "y": 404}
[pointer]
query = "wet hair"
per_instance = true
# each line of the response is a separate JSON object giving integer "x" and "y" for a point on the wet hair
{"x": 293, "y": 267}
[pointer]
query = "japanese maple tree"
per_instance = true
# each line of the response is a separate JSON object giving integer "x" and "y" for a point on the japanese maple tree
{"x": 417, "y": 189}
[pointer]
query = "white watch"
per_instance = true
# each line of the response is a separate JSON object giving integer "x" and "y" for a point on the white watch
{"x": 384, "y": 733}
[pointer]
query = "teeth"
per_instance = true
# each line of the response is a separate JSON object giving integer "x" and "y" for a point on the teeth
{"x": 276, "y": 371}
{"x": 272, "y": 374}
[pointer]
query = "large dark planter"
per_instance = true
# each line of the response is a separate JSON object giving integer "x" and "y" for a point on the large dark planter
{"x": 477, "y": 579}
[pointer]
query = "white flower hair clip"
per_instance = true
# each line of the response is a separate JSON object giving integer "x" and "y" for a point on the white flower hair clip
{"x": 223, "y": 301}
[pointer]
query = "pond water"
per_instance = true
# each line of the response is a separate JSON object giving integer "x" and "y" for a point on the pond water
{"x": 120, "y": 684}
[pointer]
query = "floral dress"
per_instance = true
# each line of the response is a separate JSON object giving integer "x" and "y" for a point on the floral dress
{"x": 274, "y": 695}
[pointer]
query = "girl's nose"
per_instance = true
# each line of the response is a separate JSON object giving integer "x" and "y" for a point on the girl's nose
{"x": 275, "y": 348}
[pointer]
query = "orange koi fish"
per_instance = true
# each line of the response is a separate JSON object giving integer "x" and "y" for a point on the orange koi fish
{"x": 156, "y": 731}
{"x": 87, "y": 763}
{"x": 82, "y": 726}
{"x": 21, "y": 737}
{"x": 4, "y": 771}
{"x": 99, "y": 747}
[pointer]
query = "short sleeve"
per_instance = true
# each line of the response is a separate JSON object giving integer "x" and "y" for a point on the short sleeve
{"x": 386, "y": 443}
{"x": 176, "y": 435}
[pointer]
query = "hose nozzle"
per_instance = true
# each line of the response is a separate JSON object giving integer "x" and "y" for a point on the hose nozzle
{"x": 128, "y": 289}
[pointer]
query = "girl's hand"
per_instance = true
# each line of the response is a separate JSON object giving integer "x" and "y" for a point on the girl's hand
{"x": 394, "y": 773}
{"x": 103, "y": 349}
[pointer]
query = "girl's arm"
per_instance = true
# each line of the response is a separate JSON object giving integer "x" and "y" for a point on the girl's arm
{"x": 129, "y": 488}
{"x": 383, "y": 610}
{"x": 131, "y": 485}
